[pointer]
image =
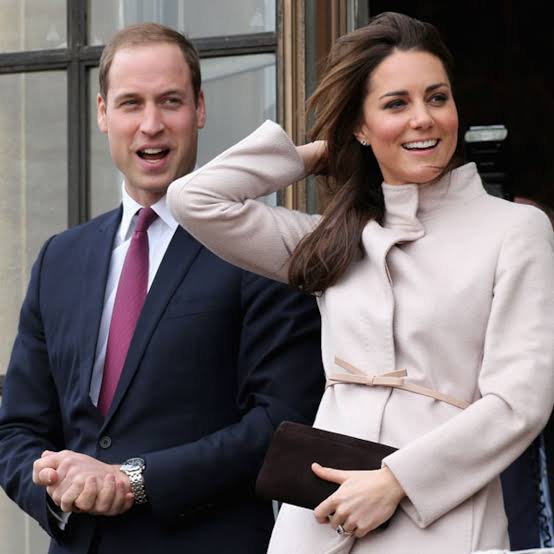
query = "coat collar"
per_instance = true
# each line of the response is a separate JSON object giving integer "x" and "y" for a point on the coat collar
{"x": 406, "y": 206}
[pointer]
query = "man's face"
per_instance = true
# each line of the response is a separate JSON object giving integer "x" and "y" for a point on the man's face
{"x": 151, "y": 118}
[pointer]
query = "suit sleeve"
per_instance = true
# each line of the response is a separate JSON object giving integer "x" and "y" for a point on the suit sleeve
{"x": 443, "y": 468}
{"x": 30, "y": 420}
{"x": 217, "y": 203}
{"x": 279, "y": 376}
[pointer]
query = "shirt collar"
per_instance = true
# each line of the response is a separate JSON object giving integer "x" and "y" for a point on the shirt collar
{"x": 130, "y": 208}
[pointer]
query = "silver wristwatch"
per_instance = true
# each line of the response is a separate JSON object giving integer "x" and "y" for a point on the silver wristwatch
{"x": 134, "y": 469}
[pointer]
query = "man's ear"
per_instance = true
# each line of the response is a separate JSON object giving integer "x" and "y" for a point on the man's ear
{"x": 201, "y": 110}
{"x": 101, "y": 113}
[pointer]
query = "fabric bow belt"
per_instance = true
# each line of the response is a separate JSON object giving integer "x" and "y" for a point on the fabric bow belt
{"x": 393, "y": 379}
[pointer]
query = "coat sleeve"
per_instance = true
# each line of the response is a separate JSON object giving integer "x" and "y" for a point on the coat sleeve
{"x": 279, "y": 377}
{"x": 30, "y": 419}
{"x": 516, "y": 382}
{"x": 217, "y": 203}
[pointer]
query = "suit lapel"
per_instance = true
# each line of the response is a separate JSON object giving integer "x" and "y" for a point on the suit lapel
{"x": 97, "y": 264}
{"x": 180, "y": 254}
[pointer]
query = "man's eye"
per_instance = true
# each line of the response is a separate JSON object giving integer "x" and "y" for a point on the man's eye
{"x": 129, "y": 103}
{"x": 172, "y": 101}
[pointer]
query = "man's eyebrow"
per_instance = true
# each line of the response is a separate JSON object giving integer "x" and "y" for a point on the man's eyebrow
{"x": 124, "y": 96}
{"x": 430, "y": 88}
{"x": 173, "y": 91}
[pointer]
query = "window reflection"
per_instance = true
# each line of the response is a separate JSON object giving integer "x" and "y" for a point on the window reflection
{"x": 240, "y": 95}
{"x": 195, "y": 18}
{"x": 105, "y": 179}
{"x": 32, "y": 25}
{"x": 33, "y": 182}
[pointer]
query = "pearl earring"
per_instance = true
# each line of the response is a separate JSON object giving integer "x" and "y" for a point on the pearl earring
{"x": 363, "y": 142}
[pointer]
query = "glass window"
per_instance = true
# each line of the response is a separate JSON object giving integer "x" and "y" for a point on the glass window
{"x": 32, "y": 25}
{"x": 105, "y": 179}
{"x": 240, "y": 94}
{"x": 195, "y": 18}
{"x": 33, "y": 182}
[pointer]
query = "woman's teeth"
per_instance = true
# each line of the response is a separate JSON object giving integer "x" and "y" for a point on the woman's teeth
{"x": 421, "y": 144}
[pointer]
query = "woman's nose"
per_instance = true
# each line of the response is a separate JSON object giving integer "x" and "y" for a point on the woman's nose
{"x": 421, "y": 118}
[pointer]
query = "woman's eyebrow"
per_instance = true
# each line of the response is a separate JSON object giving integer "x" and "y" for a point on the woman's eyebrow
{"x": 430, "y": 88}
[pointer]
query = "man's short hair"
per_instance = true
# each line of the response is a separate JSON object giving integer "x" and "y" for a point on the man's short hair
{"x": 143, "y": 34}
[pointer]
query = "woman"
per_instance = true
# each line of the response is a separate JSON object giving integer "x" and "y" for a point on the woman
{"x": 415, "y": 267}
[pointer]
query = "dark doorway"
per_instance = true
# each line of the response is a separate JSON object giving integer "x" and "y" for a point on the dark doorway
{"x": 504, "y": 52}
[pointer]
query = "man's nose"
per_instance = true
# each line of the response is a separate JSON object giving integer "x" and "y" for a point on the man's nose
{"x": 152, "y": 120}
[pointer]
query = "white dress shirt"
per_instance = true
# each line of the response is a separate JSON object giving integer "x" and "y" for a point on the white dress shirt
{"x": 160, "y": 233}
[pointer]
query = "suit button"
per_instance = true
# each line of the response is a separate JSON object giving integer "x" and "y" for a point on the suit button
{"x": 105, "y": 442}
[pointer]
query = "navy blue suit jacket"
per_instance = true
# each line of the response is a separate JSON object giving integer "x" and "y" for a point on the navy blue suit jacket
{"x": 219, "y": 357}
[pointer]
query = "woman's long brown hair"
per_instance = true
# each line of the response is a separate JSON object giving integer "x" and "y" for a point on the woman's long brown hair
{"x": 352, "y": 175}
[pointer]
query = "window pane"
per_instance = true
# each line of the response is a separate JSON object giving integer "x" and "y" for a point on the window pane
{"x": 196, "y": 18}
{"x": 240, "y": 94}
{"x": 32, "y": 24}
{"x": 105, "y": 179}
{"x": 33, "y": 183}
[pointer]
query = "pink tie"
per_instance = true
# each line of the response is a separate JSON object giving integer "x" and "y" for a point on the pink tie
{"x": 129, "y": 298}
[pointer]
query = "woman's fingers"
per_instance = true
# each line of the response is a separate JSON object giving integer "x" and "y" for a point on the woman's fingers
{"x": 364, "y": 500}
{"x": 325, "y": 510}
{"x": 314, "y": 156}
{"x": 329, "y": 474}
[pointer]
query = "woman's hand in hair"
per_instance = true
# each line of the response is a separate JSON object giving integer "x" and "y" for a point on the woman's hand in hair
{"x": 314, "y": 156}
{"x": 364, "y": 500}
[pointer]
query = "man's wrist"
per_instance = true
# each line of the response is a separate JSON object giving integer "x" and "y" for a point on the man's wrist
{"x": 121, "y": 476}
{"x": 133, "y": 469}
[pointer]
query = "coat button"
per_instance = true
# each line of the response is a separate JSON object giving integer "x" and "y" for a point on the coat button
{"x": 105, "y": 442}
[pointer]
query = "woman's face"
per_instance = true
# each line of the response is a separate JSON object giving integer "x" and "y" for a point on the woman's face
{"x": 410, "y": 118}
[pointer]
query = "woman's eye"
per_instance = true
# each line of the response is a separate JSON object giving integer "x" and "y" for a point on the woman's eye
{"x": 395, "y": 104}
{"x": 439, "y": 98}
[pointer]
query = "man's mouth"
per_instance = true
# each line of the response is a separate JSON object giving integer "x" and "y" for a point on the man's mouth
{"x": 421, "y": 144}
{"x": 153, "y": 154}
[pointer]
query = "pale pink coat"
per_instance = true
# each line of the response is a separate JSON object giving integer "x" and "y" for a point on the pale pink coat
{"x": 457, "y": 287}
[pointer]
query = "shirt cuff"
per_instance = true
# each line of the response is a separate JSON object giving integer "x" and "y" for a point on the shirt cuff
{"x": 61, "y": 518}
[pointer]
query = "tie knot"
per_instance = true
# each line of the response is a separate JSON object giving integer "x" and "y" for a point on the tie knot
{"x": 145, "y": 219}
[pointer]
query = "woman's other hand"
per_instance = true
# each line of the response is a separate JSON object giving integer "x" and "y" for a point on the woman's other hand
{"x": 314, "y": 155}
{"x": 364, "y": 500}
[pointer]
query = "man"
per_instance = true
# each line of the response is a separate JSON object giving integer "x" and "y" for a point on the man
{"x": 183, "y": 387}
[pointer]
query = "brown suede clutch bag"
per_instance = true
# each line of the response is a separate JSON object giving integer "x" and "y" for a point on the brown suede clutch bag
{"x": 286, "y": 473}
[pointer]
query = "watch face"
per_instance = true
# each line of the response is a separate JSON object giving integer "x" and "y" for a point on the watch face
{"x": 134, "y": 463}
